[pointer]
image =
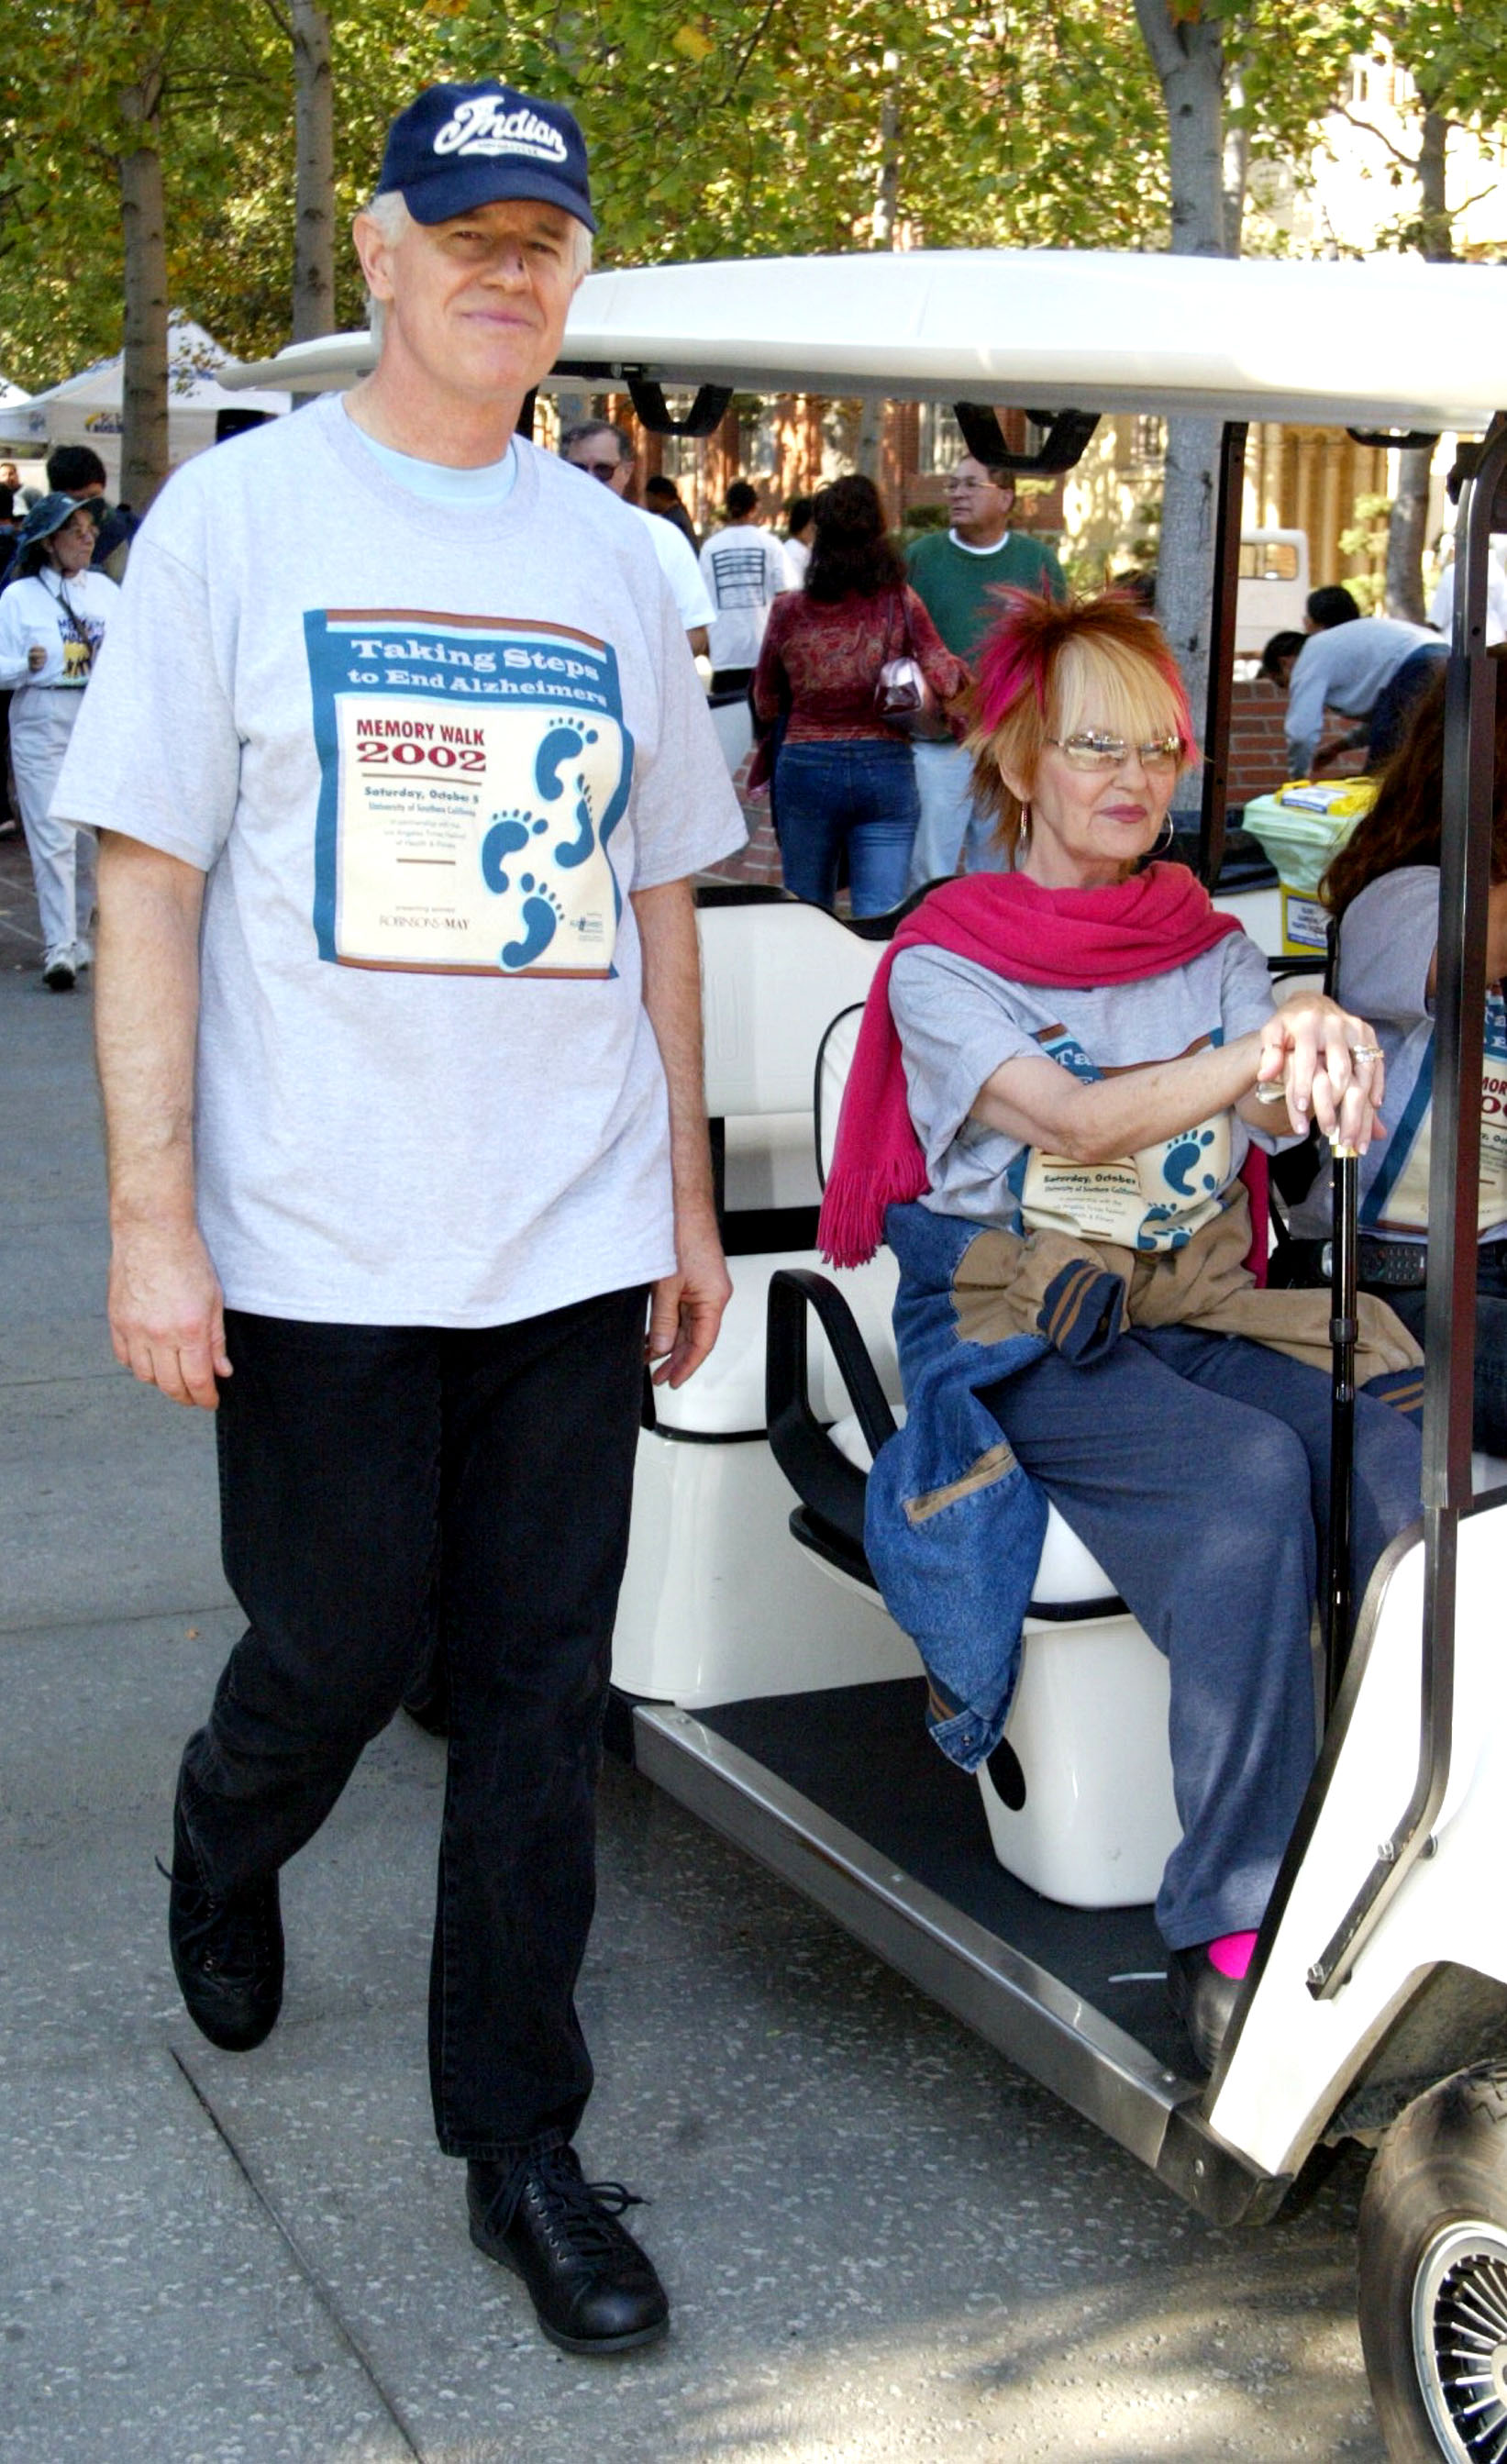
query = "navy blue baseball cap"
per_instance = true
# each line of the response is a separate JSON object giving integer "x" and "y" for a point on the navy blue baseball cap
{"x": 461, "y": 147}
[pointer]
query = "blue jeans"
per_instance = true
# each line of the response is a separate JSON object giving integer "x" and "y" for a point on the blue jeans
{"x": 380, "y": 1485}
{"x": 949, "y": 825}
{"x": 862, "y": 795}
{"x": 1196, "y": 1469}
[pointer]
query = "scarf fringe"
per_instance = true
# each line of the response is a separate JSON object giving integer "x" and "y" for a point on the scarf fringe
{"x": 853, "y": 1208}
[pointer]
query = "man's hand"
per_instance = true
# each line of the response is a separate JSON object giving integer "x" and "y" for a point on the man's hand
{"x": 686, "y": 1308}
{"x": 688, "y": 1305}
{"x": 166, "y": 1312}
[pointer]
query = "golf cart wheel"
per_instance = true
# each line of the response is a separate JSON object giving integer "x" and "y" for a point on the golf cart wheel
{"x": 1433, "y": 2258}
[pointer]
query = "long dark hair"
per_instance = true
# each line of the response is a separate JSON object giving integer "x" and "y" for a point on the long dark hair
{"x": 850, "y": 552}
{"x": 1403, "y": 824}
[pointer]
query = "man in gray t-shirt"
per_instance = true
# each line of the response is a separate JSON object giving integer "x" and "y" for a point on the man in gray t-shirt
{"x": 400, "y": 1042}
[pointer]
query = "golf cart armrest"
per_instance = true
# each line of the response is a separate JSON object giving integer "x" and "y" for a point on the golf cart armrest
{"x": 821, "y": 1475}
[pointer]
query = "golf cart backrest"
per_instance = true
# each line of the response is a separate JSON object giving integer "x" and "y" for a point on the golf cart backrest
{"x": 773, "y": 976}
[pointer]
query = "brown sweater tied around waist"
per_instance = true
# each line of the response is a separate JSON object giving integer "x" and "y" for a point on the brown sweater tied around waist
{"x": 1082, "y": 1294}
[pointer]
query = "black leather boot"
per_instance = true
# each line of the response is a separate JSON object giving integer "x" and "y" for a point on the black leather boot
{"x": 593, "y": 2288}
{"x": 1203, "y": 1999}
{"x": 226, "y": 1947}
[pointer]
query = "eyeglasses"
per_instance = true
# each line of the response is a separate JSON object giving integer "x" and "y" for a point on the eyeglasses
{"x": 606, "y": 472}
{"x": 1102, "y": 753}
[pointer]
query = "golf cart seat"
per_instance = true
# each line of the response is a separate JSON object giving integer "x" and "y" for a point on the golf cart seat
{"x": 1079, "y": 1794}
{"x": 715, "y": 1606}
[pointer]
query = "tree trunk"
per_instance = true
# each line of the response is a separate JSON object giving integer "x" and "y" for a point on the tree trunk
{"x": 314, "y": 203}
{"x": 1187, "y": 55}
{"x": 1404, "y": 533}
{"x": 886, "y": 185}
{"x": 1408, "y": 523}
{"x": 144, "y": 445}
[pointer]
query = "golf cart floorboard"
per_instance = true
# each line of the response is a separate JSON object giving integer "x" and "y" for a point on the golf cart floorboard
{"x": 843, "y": 1793}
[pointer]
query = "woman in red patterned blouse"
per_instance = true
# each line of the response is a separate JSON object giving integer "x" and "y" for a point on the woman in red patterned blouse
{"x": 842, "y": 777}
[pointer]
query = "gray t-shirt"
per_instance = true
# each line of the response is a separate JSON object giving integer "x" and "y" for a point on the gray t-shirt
{"x": 957, "y": 1023}
{"x": 1386, "y": 945}
{"x": 423, "y": 754}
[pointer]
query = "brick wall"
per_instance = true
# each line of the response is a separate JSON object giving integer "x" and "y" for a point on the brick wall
{"x": 760, "y": 860}
{"x": 1258, "y": 750}
{"x": 1258, "y": 754}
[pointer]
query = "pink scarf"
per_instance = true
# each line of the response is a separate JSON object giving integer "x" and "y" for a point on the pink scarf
{"x": 1077, "y": 938}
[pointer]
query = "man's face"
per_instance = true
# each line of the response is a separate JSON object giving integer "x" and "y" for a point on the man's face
{"x": 603, "y": 457}
{"x": 477, "y": 305}
{"x": 974, "y": 500}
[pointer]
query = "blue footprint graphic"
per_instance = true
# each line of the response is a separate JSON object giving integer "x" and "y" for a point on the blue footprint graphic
{"x": 560, "y": 745}
{"x": 541, "y": 920}
{"x": 508, "y": 833}
{"x": 1179, "y": 1160}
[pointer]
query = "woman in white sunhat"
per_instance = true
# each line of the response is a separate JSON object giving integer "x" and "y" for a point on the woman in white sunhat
{"x": 52, "y": 620}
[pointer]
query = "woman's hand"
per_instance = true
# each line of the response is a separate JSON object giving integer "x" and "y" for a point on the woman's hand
{"x": 36, "y": 657}
{"x": 1330, "y": 1065}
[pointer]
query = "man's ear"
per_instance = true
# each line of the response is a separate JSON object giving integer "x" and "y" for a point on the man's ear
{"x": 374, "y": 250}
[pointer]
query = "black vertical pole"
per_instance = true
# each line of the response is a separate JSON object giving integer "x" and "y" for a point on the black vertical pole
{"x": 1465, "y": 857}
{"x": 1343, "y": 1285}
{"x": 1227, "y": 512}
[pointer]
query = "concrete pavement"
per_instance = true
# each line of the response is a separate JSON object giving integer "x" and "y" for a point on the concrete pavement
{"x": 880, "y": 2242}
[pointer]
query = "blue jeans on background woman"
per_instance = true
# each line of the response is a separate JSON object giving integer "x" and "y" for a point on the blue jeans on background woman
{"x": 861, "y": 795}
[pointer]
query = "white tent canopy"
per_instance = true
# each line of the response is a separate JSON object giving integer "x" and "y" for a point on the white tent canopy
{"x": 87, "y": 409}
{"x": 1389, "y": 342}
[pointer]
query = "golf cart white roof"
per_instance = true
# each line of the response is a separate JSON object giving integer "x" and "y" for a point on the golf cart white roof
{"x": 1383, "y": 342}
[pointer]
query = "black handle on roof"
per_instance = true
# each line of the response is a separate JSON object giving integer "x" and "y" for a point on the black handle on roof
{"x": 704, "y": 418}
{"x": 1061, "y": 448}
{"x": 1403, "y": 438}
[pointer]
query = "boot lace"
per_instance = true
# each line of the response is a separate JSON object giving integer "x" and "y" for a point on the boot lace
{"x": 579, "y": 2216}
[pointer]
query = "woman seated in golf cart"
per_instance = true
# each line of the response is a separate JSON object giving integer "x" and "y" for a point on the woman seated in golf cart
{"x": 1061, "y": 1074}
{"x": 1384, "y": 887}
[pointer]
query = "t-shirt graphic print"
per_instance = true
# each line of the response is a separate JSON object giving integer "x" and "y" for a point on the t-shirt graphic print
{"x": 473, "y": 770}
{"x": 1154, "y": 1200}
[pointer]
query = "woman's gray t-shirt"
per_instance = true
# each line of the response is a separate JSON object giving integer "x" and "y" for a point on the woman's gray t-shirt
{"x": 1387, "y": 944}
{"x": 958, "y": 1022}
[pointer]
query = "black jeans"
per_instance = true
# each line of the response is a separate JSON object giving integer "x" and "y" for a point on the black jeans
{"x": 381, "y": 1484}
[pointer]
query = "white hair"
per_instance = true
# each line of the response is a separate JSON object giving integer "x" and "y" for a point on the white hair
{"x": 389, "y": 211}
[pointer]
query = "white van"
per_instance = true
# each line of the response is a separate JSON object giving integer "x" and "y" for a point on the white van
{"x": 1273, "y": 590}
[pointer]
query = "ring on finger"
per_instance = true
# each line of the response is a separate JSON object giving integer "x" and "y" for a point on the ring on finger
{"x": 1371, "y": 1052}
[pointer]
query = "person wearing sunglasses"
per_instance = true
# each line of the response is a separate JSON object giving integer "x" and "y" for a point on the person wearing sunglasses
{"x": 606, "y": 455}
{"x": 1062, "y": 1074}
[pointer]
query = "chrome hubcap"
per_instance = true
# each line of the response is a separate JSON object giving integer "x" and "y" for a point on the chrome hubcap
{"x": 1459, "y": 2332}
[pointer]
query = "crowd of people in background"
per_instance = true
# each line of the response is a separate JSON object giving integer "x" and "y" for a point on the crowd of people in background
{"x": 862, "y": 795}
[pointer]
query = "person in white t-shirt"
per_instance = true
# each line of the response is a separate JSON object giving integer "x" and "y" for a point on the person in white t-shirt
{"x": 52, "y": 620}
{"x": 601, "y": 449}
{"x": 745, "y": 569}
{"x": 400, "y": 1043}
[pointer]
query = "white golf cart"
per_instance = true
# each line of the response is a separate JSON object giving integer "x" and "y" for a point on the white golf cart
{"x": 757, "y": 1676}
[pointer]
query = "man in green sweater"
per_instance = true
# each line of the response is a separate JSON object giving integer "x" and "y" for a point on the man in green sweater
{"x": 954, "y": 572}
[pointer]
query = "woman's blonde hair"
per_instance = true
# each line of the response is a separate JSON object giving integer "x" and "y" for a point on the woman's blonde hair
{"x": 1043, "y": 664}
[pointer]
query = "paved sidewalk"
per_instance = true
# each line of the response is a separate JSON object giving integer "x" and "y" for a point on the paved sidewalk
{"x": 881, "y": 2242}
